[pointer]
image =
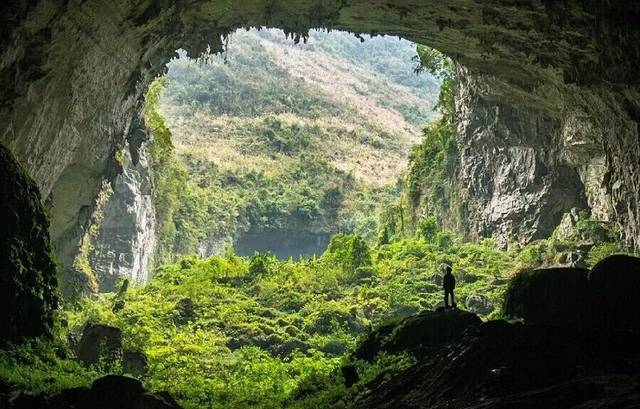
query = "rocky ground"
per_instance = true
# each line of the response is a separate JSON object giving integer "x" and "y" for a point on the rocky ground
{"x": 574, "y": 359}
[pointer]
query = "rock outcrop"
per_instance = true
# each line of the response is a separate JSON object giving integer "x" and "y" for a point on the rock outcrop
{"x": 603, "y": 298}
{"x": 500, "y": 365}
{"x": 108, "y": 392}
{"x": 125, "y": 243}
{"x": 66, "y": 110}
{"x": 429, "y": 329}
{"x": 511, "y": 166}
{"x": 28, "y": 294}
{"x": 99, "y": 342}
{"x": 579, "y": 347}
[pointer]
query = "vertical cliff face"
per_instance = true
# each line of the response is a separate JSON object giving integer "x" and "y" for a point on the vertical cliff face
{"x": 28, "y": 295}
{"x": 512, "y": 171}
{"x": 125, "y": 242}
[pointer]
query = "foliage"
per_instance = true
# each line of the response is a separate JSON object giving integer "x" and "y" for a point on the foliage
{"x": 260, "y": 148}
{"x": 266, "y": 333}
{"x": 601, "y": 251}
{"x": 41, "y": 365}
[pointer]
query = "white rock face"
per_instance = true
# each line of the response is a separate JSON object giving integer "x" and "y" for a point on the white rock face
{"x": 127, "y": 237}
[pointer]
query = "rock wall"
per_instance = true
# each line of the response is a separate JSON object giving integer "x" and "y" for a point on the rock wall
{"x": 512, "y": 170}
{"x": 28, "y": 295}
{"x": 126, "y": 239}
{"x": 72, "y": 75}
{"x": 522, "y": 167}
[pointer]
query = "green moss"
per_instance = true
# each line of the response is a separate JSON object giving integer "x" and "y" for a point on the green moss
{"x": 28, "y": 293}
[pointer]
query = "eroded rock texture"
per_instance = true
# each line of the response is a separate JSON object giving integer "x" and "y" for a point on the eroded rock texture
{"x": 125, "y": 243}
{"x": 72, "y": 75}
{"x": 27, "y": 272}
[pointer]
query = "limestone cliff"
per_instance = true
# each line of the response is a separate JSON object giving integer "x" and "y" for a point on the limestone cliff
{"x": 125, "y": 242}
{"x": 519, "y": 168}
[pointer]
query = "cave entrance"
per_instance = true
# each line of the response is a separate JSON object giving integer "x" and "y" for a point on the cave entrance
{"x": 280, "y": 144}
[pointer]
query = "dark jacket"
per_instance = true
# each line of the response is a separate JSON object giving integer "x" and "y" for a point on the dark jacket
{"x": 449, "y": 282}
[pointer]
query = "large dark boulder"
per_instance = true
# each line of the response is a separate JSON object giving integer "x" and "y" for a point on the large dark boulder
{"x": 556, "y": 296}
{"x": 27, "y": 273}
{"x": 427, "y": 330}
{"x": 478, "y": 304}
{"x": 99, "y": 341}
{"x": 108, "y": 392}
{"x": 604, "y": 298}
{"x": 614, "y": 293}
{"x": 134, "y": 362}
{"x": 115, "y": 391}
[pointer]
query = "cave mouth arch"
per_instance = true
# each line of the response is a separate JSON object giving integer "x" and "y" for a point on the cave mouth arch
{"x": 303, "y": 141}
{"x": 68, "y": 109}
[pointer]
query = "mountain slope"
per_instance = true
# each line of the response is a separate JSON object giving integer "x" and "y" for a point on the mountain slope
{"x": 301, "y": 140}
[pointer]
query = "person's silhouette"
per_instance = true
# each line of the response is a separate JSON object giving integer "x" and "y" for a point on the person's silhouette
{"x": 449, "y": 284}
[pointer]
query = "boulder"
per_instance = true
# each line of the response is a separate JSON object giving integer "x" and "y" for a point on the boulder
{"x": 614, "y": 293}
{"x": 350, "y": 375}
{"x": 185, "y": 311}
{"x": 108, "y": 392}
{"x": 604, "y": 298}
{"x": 427, "y": 330}
{"x": 115, "y": 391}
{"x": 555, "y": 296}
{"x": 478, "y": 304}
{"x": 155, "y": 401}
{"x": 99, "y": 341}
{"x": 134, "y": 362}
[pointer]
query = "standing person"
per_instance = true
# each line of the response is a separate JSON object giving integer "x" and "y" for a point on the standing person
{"x": 449, "y": 284}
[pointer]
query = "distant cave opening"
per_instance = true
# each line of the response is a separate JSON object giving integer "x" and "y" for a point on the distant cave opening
{"x": 278, "y": 145}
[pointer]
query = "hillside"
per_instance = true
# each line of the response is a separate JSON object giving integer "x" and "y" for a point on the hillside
{"x": 303, "y": 141}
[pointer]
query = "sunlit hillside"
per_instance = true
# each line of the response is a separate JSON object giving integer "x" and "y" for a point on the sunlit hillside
{"x": 325, "y": 125}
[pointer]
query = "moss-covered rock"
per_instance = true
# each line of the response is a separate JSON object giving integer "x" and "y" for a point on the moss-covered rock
{"x": 27, "y": 272}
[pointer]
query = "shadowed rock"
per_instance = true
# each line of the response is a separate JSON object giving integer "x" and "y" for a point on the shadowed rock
{"x": 429, "y": 329}
{"x": 604, "y": 298}
{"x": 99, "y": 341}
{"x": 549, "y": 296}
{"x": 27, "y": 272}
{"x": 108, "y": 392}
{"x": 614, "y": 293}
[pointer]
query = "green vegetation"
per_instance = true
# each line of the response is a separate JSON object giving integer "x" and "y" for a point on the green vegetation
{"x": 259, "y": 332}
{"x": 228, "y": 331}
{"x": 265, "y": 150}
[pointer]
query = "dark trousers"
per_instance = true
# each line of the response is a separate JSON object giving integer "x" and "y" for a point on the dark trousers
{"x": 448, "y": 293}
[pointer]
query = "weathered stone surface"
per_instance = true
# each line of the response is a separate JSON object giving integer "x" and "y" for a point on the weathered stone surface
{"x": 478, "y": 304}
{"x": 126, "y": 240}
{"x": 99, "y": 341}
{"x": 67, "y": 109}
{"x": 28, "y": 295}
{"x": 134, "y": 362}
{"x": 511, "y": 166}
